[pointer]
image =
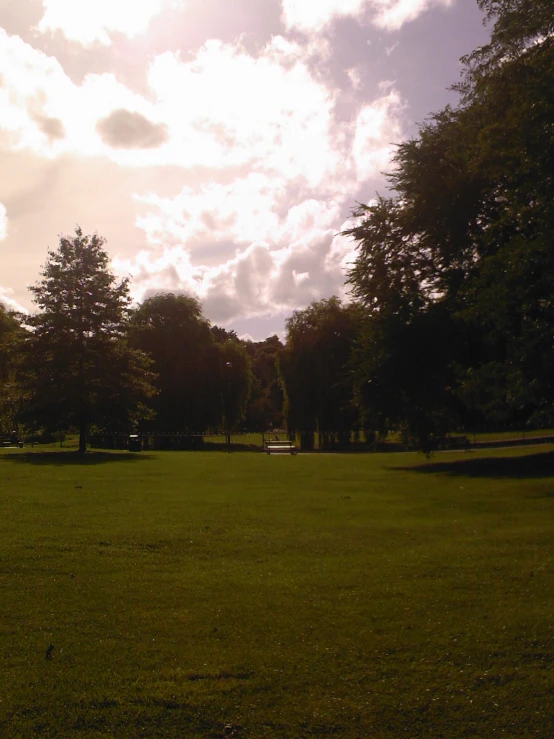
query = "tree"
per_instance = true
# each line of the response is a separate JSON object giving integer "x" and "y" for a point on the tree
{"x": 221, "y": 335}
{"x": 393, "y": 272}
{"x": 79, "y": 369}
{"x": 403, "y": 376}
{"x": 173, "y": 332}
{"x": 518, "y": 26}
{"x": 265, "y": 406}
{"x": 201, "y": 383}
{"x": 509, "y": 293}
{"x": 314, "y": 368}
{"x": 458, "y": 265}
{"x": 235, "y": 376}
{"x": 11, "y": 335}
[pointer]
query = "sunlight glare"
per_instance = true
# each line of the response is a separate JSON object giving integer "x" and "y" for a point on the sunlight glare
{"x": 89, "y": 22}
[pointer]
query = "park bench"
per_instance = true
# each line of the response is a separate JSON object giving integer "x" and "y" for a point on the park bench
{"x": 274, "y": 446}
{"x": 8, "y": 442}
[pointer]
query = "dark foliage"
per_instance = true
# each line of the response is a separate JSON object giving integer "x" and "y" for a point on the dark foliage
{"x": 78, "y": 367}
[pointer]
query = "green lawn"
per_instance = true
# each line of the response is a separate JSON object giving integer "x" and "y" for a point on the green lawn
{"x": 241, "y": 595}
{"x": 510, "y": 435}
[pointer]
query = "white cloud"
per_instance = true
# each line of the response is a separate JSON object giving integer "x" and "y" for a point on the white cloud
{"x": 9, "y": 302}
{"x": 224, "y": 108}
{"x": 274, "y": 251}
{"x": 242, "y": 212}
{"x": 342, "y": 253}
{"x": 308, "y": 220}
{"x": 297, "y": 262}
{"x": 355, "y": 77}
{"x": 312, "y": 16}
{"x": 45, "y": 112}
{"x": 393, "y": 14}
{"x": 3, "y": 222}
{"x": 257, "y": 281}
{"x": 378, "y": 129}
{"x": 270, "y": 166}
{"x": 90, "y": 21}
{"x": 234, "y": 108}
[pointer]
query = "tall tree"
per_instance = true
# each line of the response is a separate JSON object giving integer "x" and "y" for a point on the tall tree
{"x": 468, "y": 237}
{"x": 314, "y": 367}
{"x": 201, "y": 382}
{"x": 79, "y": 368}
{"x": 517, "y": 25}
{"x": 265, "y": 406}
{"x": 235, "y": 377}
{"x": 221, "y": 335}
{"x": 11, "y": 336}
{"x": 173, "y": 332}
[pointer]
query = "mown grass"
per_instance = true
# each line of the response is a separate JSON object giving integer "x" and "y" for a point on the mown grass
{"x": 510, "y": 435}
{"x": 488, "y": 436}
{"x": 216, "y": 595}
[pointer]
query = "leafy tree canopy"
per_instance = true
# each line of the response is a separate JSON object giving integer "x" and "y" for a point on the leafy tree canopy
{"x": 172, "y": 330}
{"x": 463, "y": 251}
{"x": 79, "y": 370}
{"x": 203, "y": 372}
{"x": 265, "y": 405}
{"x": 11, "y": 335}
{"x": 517, "y": 26}
{"x": 314, "y": 367}
{"x": 235, "y": 381}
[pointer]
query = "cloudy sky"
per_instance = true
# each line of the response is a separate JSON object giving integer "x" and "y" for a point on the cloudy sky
{"x": 218, "y": 146}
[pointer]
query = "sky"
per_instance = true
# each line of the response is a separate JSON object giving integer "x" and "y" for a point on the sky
{"x": 218, "y": 147}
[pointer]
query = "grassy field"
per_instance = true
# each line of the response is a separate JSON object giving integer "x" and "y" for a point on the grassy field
{"x": 240, "y": 595}
{"x": 509, "y": 435}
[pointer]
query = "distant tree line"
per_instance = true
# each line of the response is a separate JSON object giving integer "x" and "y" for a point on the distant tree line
{"x": 87, "y": 360}
{"x": 451, "y": 323}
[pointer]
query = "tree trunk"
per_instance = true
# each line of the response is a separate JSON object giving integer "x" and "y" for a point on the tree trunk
{"x": 82, "y": 438}
{"x": 82, "y": 413}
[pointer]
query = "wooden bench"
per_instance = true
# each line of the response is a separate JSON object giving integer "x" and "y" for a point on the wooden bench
{"x": 10, "y": 442}
{"x": 274, "y": 446}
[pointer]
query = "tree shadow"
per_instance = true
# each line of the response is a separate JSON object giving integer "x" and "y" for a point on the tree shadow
{"x": 529, "y": 466}
{"x": 63, "y": 458}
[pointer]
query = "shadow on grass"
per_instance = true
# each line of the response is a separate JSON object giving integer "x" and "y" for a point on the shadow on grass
{"x": 529, "y": 466}
{"x": 73, "y": 458}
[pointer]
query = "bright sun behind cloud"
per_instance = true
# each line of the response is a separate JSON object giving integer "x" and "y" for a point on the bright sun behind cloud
{"x": 218, "y": 146}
